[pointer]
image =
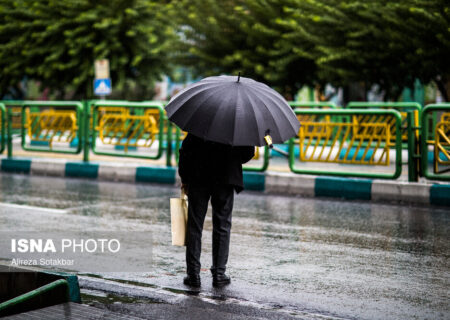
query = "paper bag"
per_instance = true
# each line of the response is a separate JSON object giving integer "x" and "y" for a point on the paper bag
{"x": 178, "y": 217}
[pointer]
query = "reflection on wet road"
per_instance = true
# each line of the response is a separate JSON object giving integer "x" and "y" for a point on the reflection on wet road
{"x": 306, "y": 256}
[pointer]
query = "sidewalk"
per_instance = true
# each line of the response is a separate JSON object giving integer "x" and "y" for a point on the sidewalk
{"x": 277, "y": 180}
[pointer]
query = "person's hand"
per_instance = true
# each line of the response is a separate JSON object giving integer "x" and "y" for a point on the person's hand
{"x": 184, "y": 188}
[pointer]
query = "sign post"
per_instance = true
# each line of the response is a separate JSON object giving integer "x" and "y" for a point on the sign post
{"x": 102, "y": 81}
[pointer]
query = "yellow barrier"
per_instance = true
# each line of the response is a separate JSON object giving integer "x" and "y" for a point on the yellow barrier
{"x": 311, "y": 118}
{"x": 445, "y": 117}
{"x": 403, "y": 108}
{"x": 51, "y": 125}
{"x": 123, "y": 129}
{"x": 256, "y": 156}
{"x": 442, "y": 142}
{"x": 155, "y": 114}
{"x": 405, "y": 125}
{"x": 360, "y": 141}
{"x": 107, "y": 110}
{"x": 16, "y": 118}
{"x": 389, "y": 120}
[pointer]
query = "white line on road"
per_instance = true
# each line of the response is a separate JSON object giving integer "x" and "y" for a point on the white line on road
{"x": 32, "y": 208}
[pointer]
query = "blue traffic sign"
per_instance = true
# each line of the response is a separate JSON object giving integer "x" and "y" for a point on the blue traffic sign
{"x": 102, "y": 87}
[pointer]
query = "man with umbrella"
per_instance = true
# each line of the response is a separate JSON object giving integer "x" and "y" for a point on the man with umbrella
{"x": 225, "y": 117}
{"x": 210, "y": 170}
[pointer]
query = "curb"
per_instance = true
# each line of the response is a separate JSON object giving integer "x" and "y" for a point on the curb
{"x": 269, "y": 182}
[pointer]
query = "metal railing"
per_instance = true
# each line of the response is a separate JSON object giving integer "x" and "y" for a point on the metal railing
{"x": 436, "y": 116}
{"x": 128, "y": 126}
{"x": 49, "y": 122}
{"x": 347, "y": 137}
{"x": 16, "y": 107}
{"x": 312, "y": 104}
{"x": 34, "y": 293}
{"x": 363, "y": 134}
{"x": 265, "y": 160}
{"x": 45, "y": 123}
{"x": 410, "y": 128}
{"x": 404, "y": 108}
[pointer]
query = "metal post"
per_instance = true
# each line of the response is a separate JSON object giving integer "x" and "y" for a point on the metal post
{"x": 85, "y": 132}
{"x": 9, "y": 132}
{"x": 177, "y": 144}
{"x": 169, "y": 143}
{"x": 412, "y": 163}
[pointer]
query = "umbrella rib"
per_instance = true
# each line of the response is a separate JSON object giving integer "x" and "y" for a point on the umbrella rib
{"x": 252, "y": 105}
{"x": 195, "y": 95}
{"x": 269, "y": 111}
{"x": 284, "y": 112}
{"x": 272, "y": 94}
{"x": 189, "y": 88}
{"x": 238, "y": 94}
{"x": 210, "y": 95}
{"x": 189, "y": 91}
{"x": 212, "y": 122}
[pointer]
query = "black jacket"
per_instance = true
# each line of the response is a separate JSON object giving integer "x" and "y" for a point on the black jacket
{"x": 206, "y": 163}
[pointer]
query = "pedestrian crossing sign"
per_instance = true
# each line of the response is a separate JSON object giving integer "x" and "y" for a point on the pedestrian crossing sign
{"x": 102, "y": 87}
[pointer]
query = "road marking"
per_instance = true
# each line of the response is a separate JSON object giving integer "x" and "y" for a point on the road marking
{"x": 32, "y": 208}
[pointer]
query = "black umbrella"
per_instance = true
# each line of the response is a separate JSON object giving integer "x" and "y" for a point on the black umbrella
{"x": 233, "y": 110}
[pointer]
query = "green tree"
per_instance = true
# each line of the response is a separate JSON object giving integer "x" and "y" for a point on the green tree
{"x": 288, "y": 43}
{"x": 241, "y": 36}
{"x": 387, "y": 42}
{"x": 57, "y": 42}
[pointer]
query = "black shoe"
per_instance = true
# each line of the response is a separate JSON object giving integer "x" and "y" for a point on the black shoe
{"x": 220, "y": 280}
{"x": 192, "y": 280}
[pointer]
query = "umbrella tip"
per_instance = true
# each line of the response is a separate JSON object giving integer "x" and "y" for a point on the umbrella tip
{"x": 239, "y": 76}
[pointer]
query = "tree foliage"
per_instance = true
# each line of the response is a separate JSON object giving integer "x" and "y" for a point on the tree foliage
{"x": 293, "y": 42}
{"x": 285, "y": 43}
{"x": 57, "y": 42}
{"x": 387, "y": 42}
{"x": 241, "y": 36}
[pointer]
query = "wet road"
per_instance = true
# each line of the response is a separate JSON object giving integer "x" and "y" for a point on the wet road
{"x": 307, "y": 258}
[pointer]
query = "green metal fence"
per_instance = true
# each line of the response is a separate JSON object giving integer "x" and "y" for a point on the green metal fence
{"x": 413, "y": 109}
{"x": 13, "y": 122}
{"x": 410, "y": 128}
{"x": 264, "y": 163}
{"x": 436, "y": 146}
{"x": 347, "y": 137}
{"x": 128, "y": 125}
{"x": 15, "y": 106}
{"x": 376, "y": 132}
{"x": 312, "y": 105}
{"x": 47, "y": 122}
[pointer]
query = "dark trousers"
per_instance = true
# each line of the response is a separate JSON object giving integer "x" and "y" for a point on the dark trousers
{"x": 222, "y": 197}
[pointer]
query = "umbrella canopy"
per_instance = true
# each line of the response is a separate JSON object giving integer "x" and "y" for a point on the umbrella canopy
{"x": 233, "y": 110}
